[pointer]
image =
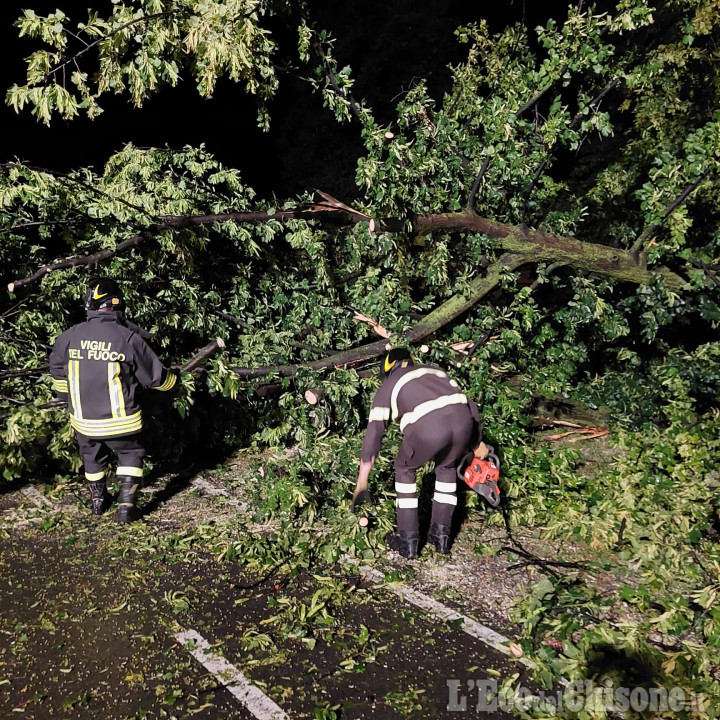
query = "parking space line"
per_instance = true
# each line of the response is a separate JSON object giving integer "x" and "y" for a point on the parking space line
{"x": 259, "y": 704}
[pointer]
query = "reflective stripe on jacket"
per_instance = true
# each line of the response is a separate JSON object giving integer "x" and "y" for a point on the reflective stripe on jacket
{"x": 98, "y": 366}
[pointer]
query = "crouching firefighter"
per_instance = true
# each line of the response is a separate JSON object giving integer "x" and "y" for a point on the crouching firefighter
{"x": 98, "y": 367}
{"x": 438, "y": 423}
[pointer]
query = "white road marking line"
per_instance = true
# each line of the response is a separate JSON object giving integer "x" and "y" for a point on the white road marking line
{"x": 443, "y": 612}
{"x": 259, "y": 704}
{"x": 32, "y": 493}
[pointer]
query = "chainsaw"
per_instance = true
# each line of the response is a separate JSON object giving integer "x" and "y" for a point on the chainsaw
{"x": 482, "y": 474}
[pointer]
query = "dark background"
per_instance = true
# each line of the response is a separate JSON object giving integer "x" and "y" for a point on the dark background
{"x": 388, "y": 44}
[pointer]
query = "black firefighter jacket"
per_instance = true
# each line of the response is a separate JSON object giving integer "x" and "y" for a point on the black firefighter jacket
{"x": 408, "y": 394}
{"x": 98, "y": 366}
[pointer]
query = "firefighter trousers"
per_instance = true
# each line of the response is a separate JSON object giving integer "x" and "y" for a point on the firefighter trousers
{"x": 97, "y": 453}
{"x": 443, "y": 436}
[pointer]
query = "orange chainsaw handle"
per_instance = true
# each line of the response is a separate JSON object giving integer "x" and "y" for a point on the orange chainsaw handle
{"x": 467, "y": 459}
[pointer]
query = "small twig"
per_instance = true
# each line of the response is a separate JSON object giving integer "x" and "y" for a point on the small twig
{"x": 106, "y": 37}
{"x": 44, "y": 406}
{"x": 485, "y": 337}
{"x": 621, "y": 532}
{"x": 549, "y": 270}
{"x": 538, "y": 95}
{"x": 645, "y": 235}
{"x": 710, "y": 274}
{"x": 64, "y": 179}
{"x": 253, "y": 329}
{"x": 534, "y": 559}
{"x": 37, "y": 223}
{"x": 591, "y": 106}
{"x": 488, "y": 335}
{"x": 550, "y": 421}
{"x": 333, "y": 81}
{"x": 601, "y": 432}
{"x": 12, "y": 309}
{"x": 476, "y": 184}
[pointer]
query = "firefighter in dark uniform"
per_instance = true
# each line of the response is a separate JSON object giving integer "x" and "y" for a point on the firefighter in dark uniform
{"x": 98, "y": 367}
{"x": 438, "y": 423}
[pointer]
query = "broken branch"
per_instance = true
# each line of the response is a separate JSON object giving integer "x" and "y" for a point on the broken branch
{"x": 202, "y": 355}
{"x": 379, "y": 329}
{"x": 21, "y": 373}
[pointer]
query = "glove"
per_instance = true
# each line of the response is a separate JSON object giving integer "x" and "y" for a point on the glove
{"x": 362, "y": 497}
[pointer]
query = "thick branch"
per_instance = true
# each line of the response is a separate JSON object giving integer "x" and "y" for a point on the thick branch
{"x": 202, "y": 355}
{"x": 196, "y": 360}
{"x": 537, "y": 246}
{"x": 601, "y": 259}
{"x": 21, "y": 373}
{"x": 167, "y": 223}
{"x": 72, "y": 262}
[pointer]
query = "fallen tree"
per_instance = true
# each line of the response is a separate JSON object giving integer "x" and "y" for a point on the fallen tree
{"x": 545, "y": 226}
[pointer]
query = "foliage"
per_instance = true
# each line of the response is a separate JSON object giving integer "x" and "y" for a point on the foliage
{"x": 141, "y": 46}
{"x": 604, "y": 127}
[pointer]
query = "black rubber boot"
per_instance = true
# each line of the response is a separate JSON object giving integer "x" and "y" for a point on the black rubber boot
{"x": 439, "y": 536}
{"x": 98, "y": 496}
{"x": 129, "y": 487}
{"x": 404, "y": 542}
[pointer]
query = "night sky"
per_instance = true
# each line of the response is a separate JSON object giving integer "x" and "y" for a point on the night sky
{"x": 387, "y": 44}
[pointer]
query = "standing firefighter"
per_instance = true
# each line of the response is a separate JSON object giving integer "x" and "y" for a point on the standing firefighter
{"x": 438, "y": 423}
{"x": 97, "y": 367}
